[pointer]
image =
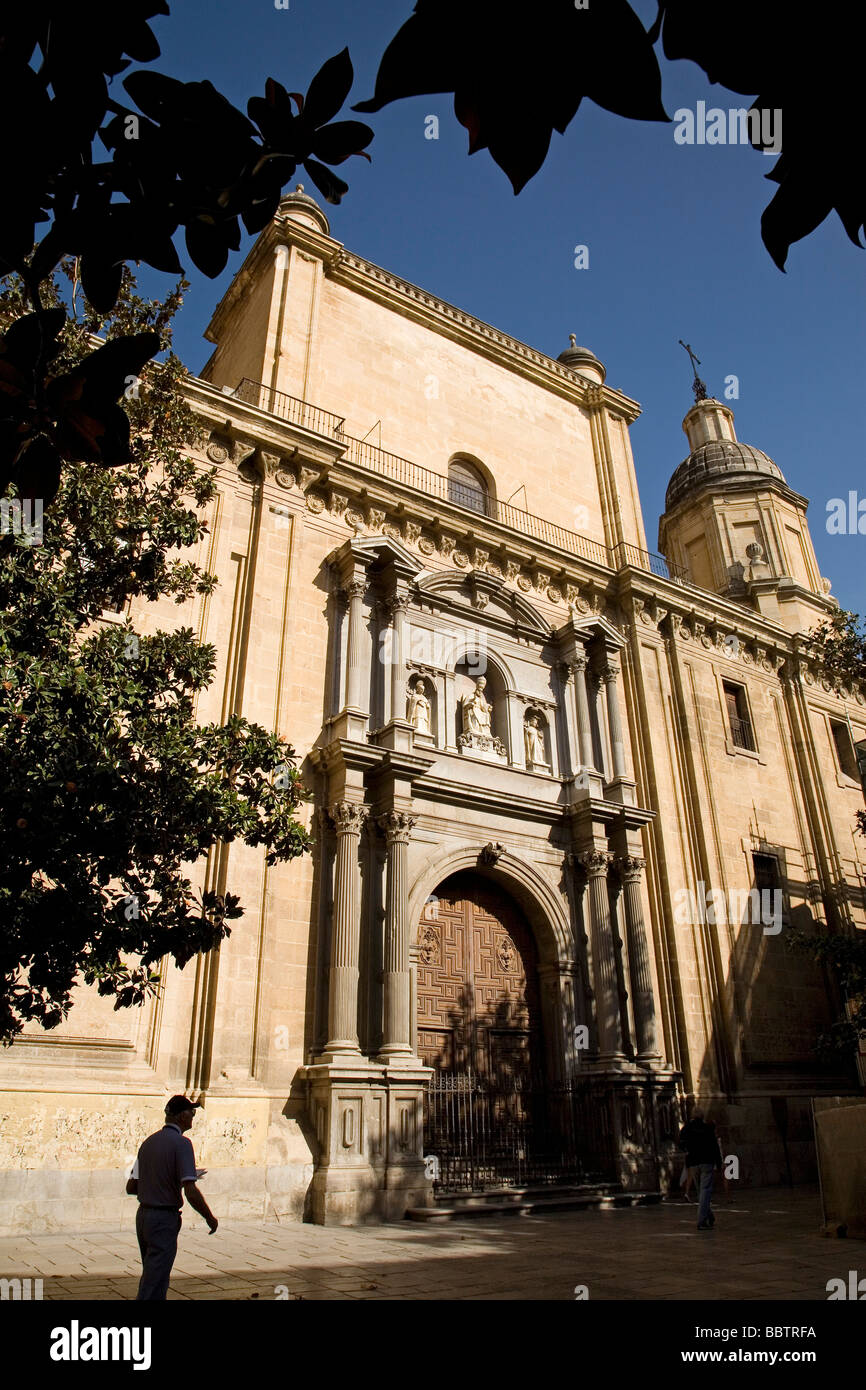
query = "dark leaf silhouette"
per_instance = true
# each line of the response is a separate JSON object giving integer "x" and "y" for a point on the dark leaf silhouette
{"x": 515, "y": 83}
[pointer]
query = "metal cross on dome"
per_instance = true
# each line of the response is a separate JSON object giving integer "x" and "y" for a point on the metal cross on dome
{"x": 699, "y": 387}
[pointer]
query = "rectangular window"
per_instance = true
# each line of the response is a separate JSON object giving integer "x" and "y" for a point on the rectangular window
{"x": 738, "y": 717}
{"x": 767, "y": 876}
{"x": 845, "y": 755}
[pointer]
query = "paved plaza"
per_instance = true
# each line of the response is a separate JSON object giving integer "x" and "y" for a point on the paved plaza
{"x": 766, "y": 1245}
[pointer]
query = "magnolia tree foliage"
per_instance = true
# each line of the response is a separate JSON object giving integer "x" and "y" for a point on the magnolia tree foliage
{"x": 112, "y": 175}
{"x": 111, "y": 790}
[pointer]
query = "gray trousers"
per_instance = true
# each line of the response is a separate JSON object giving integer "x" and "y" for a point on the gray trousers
{"x": 157, "y": 1233}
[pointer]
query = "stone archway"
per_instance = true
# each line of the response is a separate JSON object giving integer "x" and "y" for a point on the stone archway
{"x": 494, "y": 1113}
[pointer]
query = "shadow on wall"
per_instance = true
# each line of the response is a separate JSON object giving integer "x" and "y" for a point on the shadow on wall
{"x": 774, "y": 1004}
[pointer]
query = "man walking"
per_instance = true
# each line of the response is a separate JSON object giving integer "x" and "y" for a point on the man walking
{"x": 163, "y": 1174}
{"x": 702, "y": 1154}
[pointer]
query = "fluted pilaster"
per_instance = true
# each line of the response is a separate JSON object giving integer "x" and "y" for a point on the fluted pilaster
{"x": 354, "y": 593}
{"x": 349, "y": 820}
{"x": 398, "y": 607}
{"x": 610, "y": 676}
{"x": 596, "y": 862}
{"x": 630, "y": 868}
{"x": 581, "y": 710}
{"x": 397, "y": 827}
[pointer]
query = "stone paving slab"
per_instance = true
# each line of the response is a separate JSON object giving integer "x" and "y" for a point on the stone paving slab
{"x": 766, "y": 1246}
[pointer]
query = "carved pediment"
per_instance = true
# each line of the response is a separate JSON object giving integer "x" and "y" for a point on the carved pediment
{"x": 478, "y": 592}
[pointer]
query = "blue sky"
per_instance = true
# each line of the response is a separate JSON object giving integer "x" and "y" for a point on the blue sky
{"x": 674, "y": 252}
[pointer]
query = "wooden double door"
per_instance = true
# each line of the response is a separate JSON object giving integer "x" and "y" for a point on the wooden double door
{"x": 478, "y": 996}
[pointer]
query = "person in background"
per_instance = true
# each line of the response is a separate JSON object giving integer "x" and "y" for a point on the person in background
{"x": 698, "y": 1138}
{"x": 163, "y": 1174}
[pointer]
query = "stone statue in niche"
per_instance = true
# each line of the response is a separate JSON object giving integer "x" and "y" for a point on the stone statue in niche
{"x": 533, "y": 738}
{"x": 478, "y": 735}
{"x": 418, "y": 708}
{"x": 477, "y": 712}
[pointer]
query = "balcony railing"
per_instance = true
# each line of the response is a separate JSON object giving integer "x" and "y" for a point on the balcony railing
{"x": 473, "y": 500}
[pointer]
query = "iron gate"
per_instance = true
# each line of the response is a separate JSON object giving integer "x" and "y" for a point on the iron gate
{"x": 514, "y": 1132}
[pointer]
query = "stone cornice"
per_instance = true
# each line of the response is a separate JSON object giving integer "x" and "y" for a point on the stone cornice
{"x": 410, "y": 301}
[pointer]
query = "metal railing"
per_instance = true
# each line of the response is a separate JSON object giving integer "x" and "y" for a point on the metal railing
{"x": 297, "y": 412}
{"x": 512, "y": 1131}
{"x": 459, "y": 494}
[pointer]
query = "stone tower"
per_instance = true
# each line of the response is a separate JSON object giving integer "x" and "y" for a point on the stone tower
{"x": 736, "y": 528}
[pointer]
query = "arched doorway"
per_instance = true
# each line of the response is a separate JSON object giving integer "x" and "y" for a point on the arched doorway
{"x": 492, "y": 1118}
{"x": 478, "y": 998}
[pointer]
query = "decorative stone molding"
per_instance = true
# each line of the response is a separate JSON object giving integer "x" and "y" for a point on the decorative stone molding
{"x": 595, "y": 862}
{"x": 482, "y": 744}
{"x": 506, "y": 954}
{"x": 430, "y": 946}
{"x": 349, "y": 818}
{"x": 218, "y": 449}
{"x": 356, "y": 588}
{"x": 491, "y": 854}
{"x": 307, "y": 476}
{"x": 630, "y": 868}
{"x": 397, "y": 826}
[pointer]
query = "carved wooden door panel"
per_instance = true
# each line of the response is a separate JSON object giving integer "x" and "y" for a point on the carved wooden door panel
{"x": 478, "y": 1004}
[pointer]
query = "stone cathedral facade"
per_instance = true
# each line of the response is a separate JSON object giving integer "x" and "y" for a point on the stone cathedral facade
{"x": 569, "y": 795}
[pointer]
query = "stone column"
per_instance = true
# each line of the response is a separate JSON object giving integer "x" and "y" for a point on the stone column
{"x": 354, "y": 592}
{"x": 398, "y": 606}
{"x": 609, "y": 676}
{"x": 630, "y": 869}
{"x": 598, "y": 726}
{"x": 596, "y": 862}
{"x": 349, "y": 819}
{"x": 397, "y": 826}
{"x": 581, "y": 709}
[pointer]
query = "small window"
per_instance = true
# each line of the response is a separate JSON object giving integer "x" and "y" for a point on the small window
{"x": 845, "y": 754}
{"x": 738, "y": 717}
{"x": 767, "y": 876}
{"x": 467, "y": 488}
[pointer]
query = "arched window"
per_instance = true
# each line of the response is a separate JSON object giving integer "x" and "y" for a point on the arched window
{"x": 468, "y": 488}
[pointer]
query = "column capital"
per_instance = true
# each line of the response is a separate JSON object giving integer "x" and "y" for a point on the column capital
{"x": 630, "y": 867}
{"x": 596, "y": 862}
{"x": 348, "y": 817}
{"x": 397, "y": 826}
{"x": 353, "y": 588}
{"x": 577, "y": 663}
{"x": 397, "y": 603}
{"x": 608, "y": 673}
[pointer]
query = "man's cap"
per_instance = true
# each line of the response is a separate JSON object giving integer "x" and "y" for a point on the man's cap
{"x": 178, "y": 1104}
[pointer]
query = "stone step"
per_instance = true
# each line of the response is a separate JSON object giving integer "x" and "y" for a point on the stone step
{"x": 531, "y": 1191}
{"x": 524, "y": 1203}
